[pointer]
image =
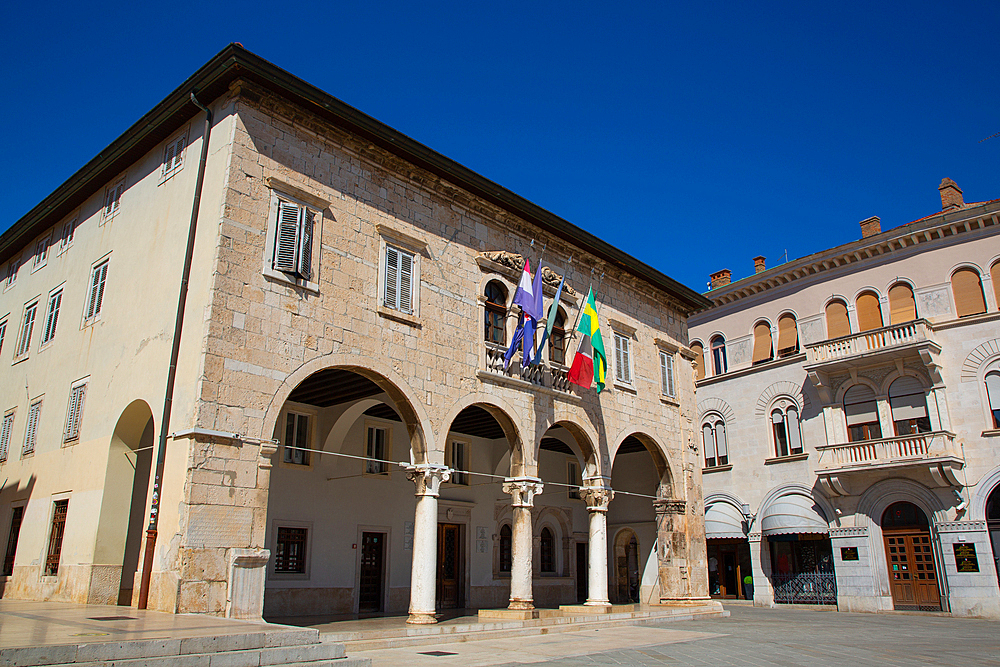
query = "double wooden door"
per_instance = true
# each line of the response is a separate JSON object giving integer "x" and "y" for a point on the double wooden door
{"x": 912, "y": 574}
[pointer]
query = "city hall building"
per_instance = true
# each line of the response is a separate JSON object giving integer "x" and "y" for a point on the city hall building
{"x": 263, "y": 334}
{"x": 849, "y": 409}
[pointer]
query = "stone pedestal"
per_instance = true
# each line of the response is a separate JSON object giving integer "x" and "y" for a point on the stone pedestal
{"x": 597, "y": 499}
{"x": 522, "y": 491}
{"x": 760, "y": 562}
{"x": 423, "y": 579}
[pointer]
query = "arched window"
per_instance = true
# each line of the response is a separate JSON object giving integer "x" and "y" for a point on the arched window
{"x": 861, "y": 410}
{"x": 968, "y": 291}
{"x": 904, "y": 515}
{"x": 719, "y": 365}
{"x": 869, "y": 312}
{"x": 909, "y": 406}
{"x": 837, "y": 322}
{"x": 786, "y": 430}
{"x": 763, "y": 350}
{"x": 902, "y": 306}
{"x": 995, "y": 277}
{"x": 547, "y": 548}
{"x": 993, "y": 395}
{"x": 714, "y": 444}
{"x": 699, "y": 360}
{"x": 557, "y": 341}
{"x": 496, "y": 313}
{"x": 788, "y": 335}
{"x": 506, "y": 552}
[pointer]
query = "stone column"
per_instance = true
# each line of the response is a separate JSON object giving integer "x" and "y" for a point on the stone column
{"x": 760, "y": 562}
{"x": 522, "y": 491}
{"x": 423, "y": 580}
{"x": 597, "y": 499}
{"x": 672, "y": 553}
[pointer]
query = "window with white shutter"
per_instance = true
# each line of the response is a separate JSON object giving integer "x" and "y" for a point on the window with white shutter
{"x": 398, "y": 291}
{"x": 41, "y": 257}
{"x": 67, "y": 234}
{"x": 52, "y": 316}
{"x": 27, "y": 328}
{"x": 113, "y": 199}
{"x": 74, "y": 412}
{"x": 31, "y": 431}
{"x": 3, "y": 332}
{"x": 173, "y": 156}
{"x": 95, "y": 297}
{"x": 5, "y": 431}
{"x": 667, "y": 373}
{"x": 623, "y": 368}
{"x": 11, "y": 276}
{"x": 294, "y": 240}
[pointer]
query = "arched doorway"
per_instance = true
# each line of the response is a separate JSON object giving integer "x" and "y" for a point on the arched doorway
{"x": 910, "y": 558}
{"x": 626, "y": 567}
{"x": 993, "y": 524}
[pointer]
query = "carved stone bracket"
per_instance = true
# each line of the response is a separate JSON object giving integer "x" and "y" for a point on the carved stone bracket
{"x": 833, "y": 485}
{"x": 428, "y": 477}
{"x": 511, "y": 264}
{"x": 597, "y": 497}
{"x": 267, "y": 450}
{"x": 522, "y": 490}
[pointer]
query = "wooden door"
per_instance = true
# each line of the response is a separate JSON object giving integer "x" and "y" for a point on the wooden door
{"x": 450, "y": 585}
{"x": 912, "y": 575}
{"x": 370, "y": 588}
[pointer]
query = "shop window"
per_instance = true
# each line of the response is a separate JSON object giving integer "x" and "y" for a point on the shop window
{"x": 59, "y": 511}
{"x": 861, "y": 410}
{"x": 788, "y": 335}
{"x": 557, "y": 339}
{"x": 496, "y": 313}
{"x": 699, "y": 361}
{"x": 902, "y": 306}
{"x": 290, "y": 550}
{"x": 714, "y": 442}
{"x": 968, "y": 290}
{"x": 547, "y": 549}
{"x": 17, "y": 515}
{"x": 763, "y": 349}
{"x": 506, "y": 544}
{"x": 909, "y": 407}
{"x": 993, "y": 395}
{"x": 720, "y": 365}
{"x": 837, "y": 322}
{"x": 296, "y": 443}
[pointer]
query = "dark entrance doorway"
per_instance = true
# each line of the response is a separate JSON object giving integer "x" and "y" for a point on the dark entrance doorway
{"x": 728, "y": 564}
{"x": 993, "y": 523}
{"x": 582, "y": 573}
{"x": 450, "y": 592}
{"x": 371, "y": 589}
{"x": 910, "y": 558}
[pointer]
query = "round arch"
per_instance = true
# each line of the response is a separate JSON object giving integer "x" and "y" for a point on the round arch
{"x": 796, "y": 489}
{"x": 985, "y": 486}
{"x": 579, "y": 425}
{"x": 520, "y": 463}
{"x": 659, "y": 456}
{"x": 850, "y": 382}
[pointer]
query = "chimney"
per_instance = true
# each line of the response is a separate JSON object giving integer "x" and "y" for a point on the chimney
{"x": 871, "y": 227}
{"x": 721, "y": 278}
{"x": 758, "y": 264}
{"x": 951, "y": 195}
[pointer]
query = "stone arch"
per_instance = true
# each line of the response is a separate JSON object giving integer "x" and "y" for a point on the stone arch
{"x": 898, "y": 280}
{"x": 555, "y": 520}
{"x": 977, "y": 504}
{"x": 622, "y": 574}
{"x": 580, "y": 426}
{"x": 907, "y": 372}
{"x": 724, "y": 497}
{"x": 850, "y": 382}
{"x": 501, "y": 411}
{"x": 796, "y": 489}
{"x": 978, "y": 358}
{"x": 407, "y": 406}
{"x": 867, "y": 288}
{"x": 344, "y": 422}
{"x": 660, "y": 460}
{"x": 715, "y": 404}
{"x": 782, "y": 388}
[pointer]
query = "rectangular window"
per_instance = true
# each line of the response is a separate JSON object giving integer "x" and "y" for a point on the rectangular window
{"x": 377, "y": 449}
{"x": 293, "y": 243}
{"x": 59, "y": 511}
{"x": 113, "y": 199}
{"x": 11, "y": 278}
{"x": 66, "y": 237}
{"x": 623, "y": 367}
{"x": 667, "y": 374}
{"x": 95, "y": 299}
{"x": 398, "y": 280}
{"x": 290, "y": 550}
{"x": 297, "y": 439}
{"x": 41, "y": 252}
{"x": 460, "y": 462}
{"x": 52, "y": 317}
{"x": 3, "y": 332}
{"x": 573, "y": 479}
{"x": 5, "y": 431}
{"x": 27, "y": 328}
{"x": 31, "y": 431}
{"x": 173, "y": 156}
{"x": 17, "y": 516}
{"x": 74, "y": 412}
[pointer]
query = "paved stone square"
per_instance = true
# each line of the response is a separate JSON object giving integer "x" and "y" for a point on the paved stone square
{"x": 750, "y": 636}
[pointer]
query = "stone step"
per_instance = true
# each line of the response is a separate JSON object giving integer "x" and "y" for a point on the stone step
{"x": 425, "y": 635}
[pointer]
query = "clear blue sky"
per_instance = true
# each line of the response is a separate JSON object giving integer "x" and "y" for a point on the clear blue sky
{"x": 693, "y": 137}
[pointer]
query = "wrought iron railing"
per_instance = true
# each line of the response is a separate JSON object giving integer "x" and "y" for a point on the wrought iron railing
{"x": 805, "y": 588}
{"x": 552, "y": 376}
{"x": 868, "y": 341}
{"x": 918, "y": 447}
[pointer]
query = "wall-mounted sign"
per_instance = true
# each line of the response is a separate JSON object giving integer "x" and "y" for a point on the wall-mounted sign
{"x": 848, "y": 553}
{"x": 965, "y": 557}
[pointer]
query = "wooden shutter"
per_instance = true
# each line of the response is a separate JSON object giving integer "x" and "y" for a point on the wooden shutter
{"x": 968, "y": 291}
{"x": 75, "y": 411}
{"x": 995, "y": 277}
{"x": 168, "y": 157}
{"x": 837, "y": 323}
{"x": 860, "y": 405}
{"x": 53, "y": 317}
{"x": 788, "y": 335}
{"x": 8, "y": 425}
{"x": 869, "y": 312}
{"x": 902, "y": 307}
{"x": 286, "y": 243}
{"x": 391, "y": 299}
{"x": 304, "y": 267}
{"x": 762, "y": 350}
{"x": 97, "y": 290}
{"x": 29, "y": 432}
{"x": 667, "y": 373}
{"x": 699, "y": 360}
{"x": 27, "y": 328}
{"x": 405, "y": 282}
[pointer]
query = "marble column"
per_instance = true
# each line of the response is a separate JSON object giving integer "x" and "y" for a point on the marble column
{"x": 522, "y": 491}
{"x": 597, "y": 499}
{"x": 760, "y": 563}
{"x": 423, "y": 580}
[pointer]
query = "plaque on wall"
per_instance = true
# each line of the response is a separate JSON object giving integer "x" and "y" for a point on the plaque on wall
{"x": 965, "y": 557}
{"x": 848, "y": 553}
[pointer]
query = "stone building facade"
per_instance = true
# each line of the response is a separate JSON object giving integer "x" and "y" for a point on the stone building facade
{"x": 343, "y": 436}
{"x": 849, "y": 404}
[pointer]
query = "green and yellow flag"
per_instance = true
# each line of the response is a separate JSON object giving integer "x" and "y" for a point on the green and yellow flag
{"x": 591, "y": 354}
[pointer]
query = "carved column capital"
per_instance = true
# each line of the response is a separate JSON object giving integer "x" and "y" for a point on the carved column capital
{"x": 597, "y": 497}
{"x": 428, "y": 477}
{"x": 522, "y": 490}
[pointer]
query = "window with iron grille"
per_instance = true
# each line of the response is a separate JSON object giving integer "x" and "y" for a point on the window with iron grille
{"x": 74, "y": 412}
{"x": 31, "y": 431}
{"x": 17, "y": 515}
{"x": 5, "y": 431}
{"x": 95, "y": 298}
{"x": 27, "y": 328}
{"x": 59, "y": 511}
{"x": 290, "y": 550}
{"x": 52, "y": 316}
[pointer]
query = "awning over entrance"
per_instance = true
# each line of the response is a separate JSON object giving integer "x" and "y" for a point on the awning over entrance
{"x": 794, "y": 513}
{"x": 722, "y": 520}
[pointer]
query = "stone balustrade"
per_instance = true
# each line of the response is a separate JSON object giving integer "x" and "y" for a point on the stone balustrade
{"x": 876, "y": 340}
{"x": 552, "y": 376}
{"x": 874, "y": 453}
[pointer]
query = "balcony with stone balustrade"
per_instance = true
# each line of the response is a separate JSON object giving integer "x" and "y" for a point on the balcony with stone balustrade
{"x": 873, "y": 347}
{"x": 549, "y": 376}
